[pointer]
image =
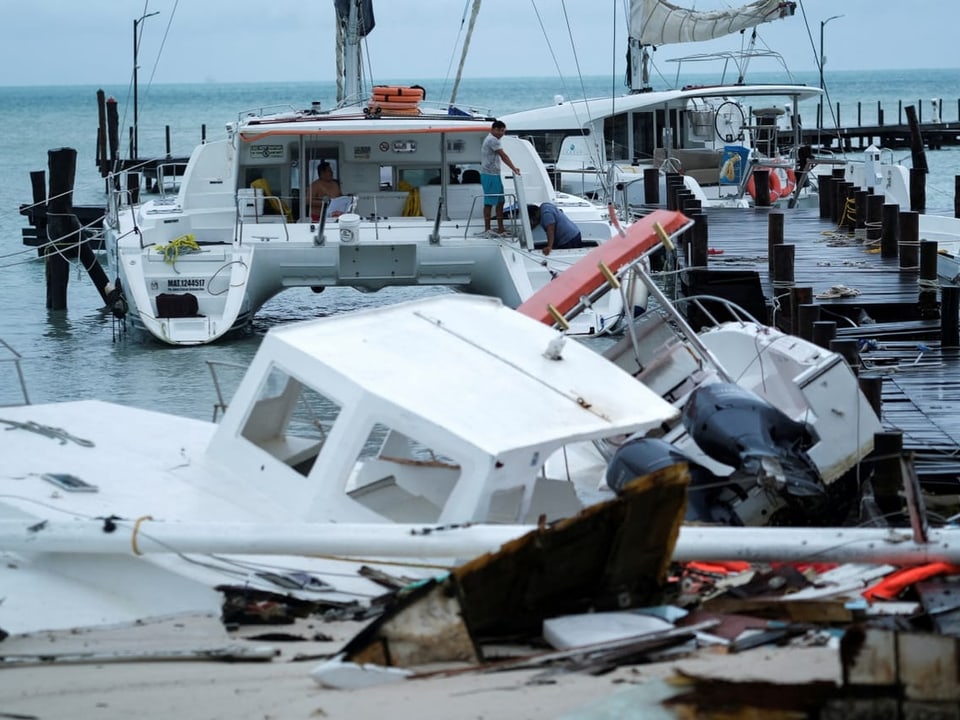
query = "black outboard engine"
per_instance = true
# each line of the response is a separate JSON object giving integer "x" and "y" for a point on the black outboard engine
{"x": 641, "y": 456}
{"x": 739, "y": 428}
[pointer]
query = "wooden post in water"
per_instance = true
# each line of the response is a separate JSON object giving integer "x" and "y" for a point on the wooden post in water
{"x": 956, "y": 196}
{"x": 103, "y": 162}
{"x": 950, "y": 317}
{"x": 890, "y": 232}
{"x": 774, "y": 235}
{"x": 927, "y": 301}
{"x": 909, "y": 241}
{"x": 850, "y": 209}
{"x": 651, "y": 186}
{"x": 63, "y": 228}
{"x": 674, "y": 184}
{"x": 919, "y": 169}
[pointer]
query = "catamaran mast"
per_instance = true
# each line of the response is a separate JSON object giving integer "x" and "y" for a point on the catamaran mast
{"x": 354, "y": 21}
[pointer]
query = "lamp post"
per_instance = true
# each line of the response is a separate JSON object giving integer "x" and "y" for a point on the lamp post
{"x": 134, "y": 149}
{"x": 820, "y": 62}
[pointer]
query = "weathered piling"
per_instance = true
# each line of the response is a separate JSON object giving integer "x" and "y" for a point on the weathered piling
{"x": 808, "y": 314}
{"x": 761, "y": 185}
{"x": 950, "y": 317}
{"x": 887, "y": 474}
{"x": 909, "y": 241}
{"x": 799, "y": 296}
{"x": 849, "y": 349}
{"x": 956, "y": 196}
{"x": 824, "y": 331}
{"x": 63, "y": 228}
{"x": 64, "y": 232}
{"x": 699, "y": 241}
{"x": 651, "y": 186}
{"x": 890, "y": 231}
{"x": 872, "y": 388}
{"x": 874, "y": 218}
{"x": 783, "y": 275}
{"x": 774, "y": 235}
{"x": 827, "y": 196}
{"x": 860, "y": 213}
{"x": 927, "y": 281}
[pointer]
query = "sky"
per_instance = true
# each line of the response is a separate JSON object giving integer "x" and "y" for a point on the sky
{"x": 62, "y": 42}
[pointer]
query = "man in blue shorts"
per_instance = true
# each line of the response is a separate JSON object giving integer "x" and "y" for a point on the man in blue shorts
{"x": 491, "y": 153}
{"x": 562, "y": 233}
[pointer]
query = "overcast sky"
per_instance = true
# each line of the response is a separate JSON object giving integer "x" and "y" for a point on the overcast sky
{"x": 63, "y": 42}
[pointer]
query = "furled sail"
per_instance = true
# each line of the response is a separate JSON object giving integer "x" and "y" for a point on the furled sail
{"x": 657, "y": 22}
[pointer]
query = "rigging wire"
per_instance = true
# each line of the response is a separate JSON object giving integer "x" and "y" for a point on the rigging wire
{"x": 453, "y": 51}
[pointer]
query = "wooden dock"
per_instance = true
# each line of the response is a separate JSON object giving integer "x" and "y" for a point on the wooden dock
{"x": 886, "y": 315}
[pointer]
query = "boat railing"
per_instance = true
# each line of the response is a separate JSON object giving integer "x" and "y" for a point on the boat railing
{"x": 242, "y": 216}
{"x": 12, "y": 356}
{"x": 220, "y": 406}
{"x": 164, "y": 173}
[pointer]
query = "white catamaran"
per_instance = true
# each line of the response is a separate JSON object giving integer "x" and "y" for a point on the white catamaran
{"x": 716, "y": 136}
{"x": 194, "y": 265}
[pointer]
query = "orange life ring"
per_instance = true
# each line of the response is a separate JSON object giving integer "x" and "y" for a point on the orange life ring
{"x": 398, "y": 93}
{"x": 778, "y": 189}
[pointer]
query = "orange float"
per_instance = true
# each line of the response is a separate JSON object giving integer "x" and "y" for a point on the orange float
{"x": 778, "y": 188}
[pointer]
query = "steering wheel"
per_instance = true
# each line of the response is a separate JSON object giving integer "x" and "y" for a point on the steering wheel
{"x": 729, "y": 121}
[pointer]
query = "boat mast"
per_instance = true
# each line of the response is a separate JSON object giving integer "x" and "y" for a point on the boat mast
{"x": 354, "y": 22}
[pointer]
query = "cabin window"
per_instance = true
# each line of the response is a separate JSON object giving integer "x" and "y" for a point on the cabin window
{"x": 548, "y": 142}
{"x": 643, "y": 135}
{"x": 616, "y": 137}
{"x": 290, "y": 421}
{"x": 401, "y": 478}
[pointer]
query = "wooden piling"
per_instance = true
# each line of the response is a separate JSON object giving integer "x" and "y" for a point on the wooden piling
{"x": 918, "y": 189}
{"x": 798, "y": 296}
{"x": 651, "y": 186}
{"x": 956, "y": 196}
{"x": 774, "y": 235}
{"x": 927, "y": 300}
{"x": 874, "y": 218}
{"x": 950, "y": 317}
{"x": 887, "y": 474}
{"x": 699, "y": 242}
{"x": 872, "y": 388}
{"x": 909, "y": 241}
{"x": 807, "y": 315}
{"x": 890, "y": 231}
{"x": 761, "y": 184}
{"x": 849, "y": 349}
{"x": 823, "y": 332}
{"x": 828, "y": 196}
{"x": 783, "y": 275}
{"x": 860, "y": 217}
{"x": 63, "y": 228}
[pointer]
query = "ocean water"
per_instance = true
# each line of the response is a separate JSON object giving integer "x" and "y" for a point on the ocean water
{"x": 79, "y": 353}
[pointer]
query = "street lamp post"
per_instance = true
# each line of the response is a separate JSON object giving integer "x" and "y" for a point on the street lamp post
{"x": 134, "y": 149}
{"x": 821, "y": 61}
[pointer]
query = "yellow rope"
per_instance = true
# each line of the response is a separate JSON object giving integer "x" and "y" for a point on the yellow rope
{"x": 136, "y": 529}
{"x": 171, "y": 251}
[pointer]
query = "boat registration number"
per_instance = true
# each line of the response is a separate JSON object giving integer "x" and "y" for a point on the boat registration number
{"x": 186, "y": 283}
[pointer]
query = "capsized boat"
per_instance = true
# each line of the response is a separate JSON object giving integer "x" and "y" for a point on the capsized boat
{"x": 771, "y": 424}
{"x": 191, "y": 266}
{"x": 417, "y": 431}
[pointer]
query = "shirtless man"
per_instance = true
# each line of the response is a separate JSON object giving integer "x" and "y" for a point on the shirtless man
{"x": 324, "y": 187}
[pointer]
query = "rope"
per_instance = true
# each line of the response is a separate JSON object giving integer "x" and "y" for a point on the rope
{"x": 463, "y": 52}
{"x": 171, "y": 251}
{"x": 136, "y": 529}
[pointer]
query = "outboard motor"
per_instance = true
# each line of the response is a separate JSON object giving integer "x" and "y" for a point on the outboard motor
{"x": 642, "y": 456}
{"x": 738, "y": 428}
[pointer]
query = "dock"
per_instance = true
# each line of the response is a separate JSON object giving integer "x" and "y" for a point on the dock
{"x": 886, "y": 323}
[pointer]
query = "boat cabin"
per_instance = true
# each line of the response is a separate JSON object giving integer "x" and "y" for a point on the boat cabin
{"x": 352, "y": 419}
